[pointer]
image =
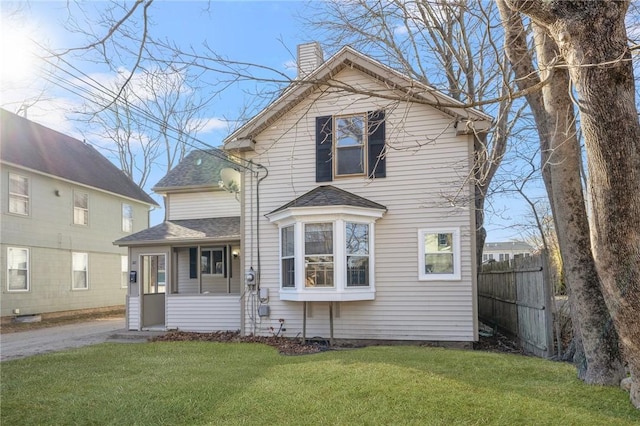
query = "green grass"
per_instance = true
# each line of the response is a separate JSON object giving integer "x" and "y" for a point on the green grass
{"x": 199, "y": 383}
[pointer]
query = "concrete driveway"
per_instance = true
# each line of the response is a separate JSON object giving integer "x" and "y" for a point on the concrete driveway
{"x": 26, "y": 343}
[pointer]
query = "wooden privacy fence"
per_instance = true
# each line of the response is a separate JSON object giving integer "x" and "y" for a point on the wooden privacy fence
{"x": 515, "y": 296}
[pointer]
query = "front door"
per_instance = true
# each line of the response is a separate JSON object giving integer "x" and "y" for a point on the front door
{"x": 153, "y": 271}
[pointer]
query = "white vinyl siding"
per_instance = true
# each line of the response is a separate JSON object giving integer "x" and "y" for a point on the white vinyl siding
{"x": 427, "y": 167}
{"x": 124, "y": 271}
{"x": 203, "y": 313}
{"x": 198, "y": 205}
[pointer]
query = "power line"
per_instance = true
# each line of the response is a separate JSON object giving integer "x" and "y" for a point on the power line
{"x": 91, "y": 90}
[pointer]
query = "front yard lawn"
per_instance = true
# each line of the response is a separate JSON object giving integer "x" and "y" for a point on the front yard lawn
{"x": 199, "y": 383}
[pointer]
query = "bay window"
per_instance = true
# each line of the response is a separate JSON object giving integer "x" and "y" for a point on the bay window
{"x": 327, "y": 255}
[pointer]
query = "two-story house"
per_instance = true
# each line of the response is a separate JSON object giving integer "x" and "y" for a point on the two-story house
{"x": 62, "y": 204}
{"x": 355, "y": 218}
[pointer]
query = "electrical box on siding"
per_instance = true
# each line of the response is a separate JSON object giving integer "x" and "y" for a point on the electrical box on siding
{"x": 263, "y": 310}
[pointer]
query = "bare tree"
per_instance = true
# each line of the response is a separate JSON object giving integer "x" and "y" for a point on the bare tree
{"x": 450, "y": 45}
{"x": 598, "y": 61}
{"x": 151, "y": 124}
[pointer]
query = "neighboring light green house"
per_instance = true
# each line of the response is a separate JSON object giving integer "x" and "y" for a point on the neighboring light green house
{"x": 351, "y": 218}
{"x": 63, "y": 204}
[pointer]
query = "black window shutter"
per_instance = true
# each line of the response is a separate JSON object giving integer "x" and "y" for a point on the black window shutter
{"x": 193, "y": 262}
{"x": 324, "y": 140}
{"x": 377, "y": 158}
{"x": 224, "y": 261}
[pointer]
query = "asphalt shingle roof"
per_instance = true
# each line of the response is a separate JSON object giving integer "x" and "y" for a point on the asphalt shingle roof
{"x": 33, "y": 146}
{"x": 201, "y": 167}
{"x": 221, "y": 228}
{"x": 327, "y": 195}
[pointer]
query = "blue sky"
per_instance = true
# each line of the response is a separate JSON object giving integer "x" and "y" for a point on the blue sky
{"x": 261, "y": 32}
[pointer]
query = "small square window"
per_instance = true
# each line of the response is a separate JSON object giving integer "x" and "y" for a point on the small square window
{"x": 439, "y": 254}
{"x": 212, "y": 262}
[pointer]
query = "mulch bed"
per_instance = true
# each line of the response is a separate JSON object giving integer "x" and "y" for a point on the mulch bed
{"x": 286, "y": 346}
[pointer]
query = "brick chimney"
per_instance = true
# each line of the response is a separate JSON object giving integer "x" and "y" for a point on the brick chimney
{"x": 310, "y": 57}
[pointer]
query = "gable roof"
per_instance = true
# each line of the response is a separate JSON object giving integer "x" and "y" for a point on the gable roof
{"x": 347, "y": 57}
{"x": 327, "y": 195}
{"x": 199, "y": 168}
{"x": 216, "y": 229}
{"x": 33, "y": 146}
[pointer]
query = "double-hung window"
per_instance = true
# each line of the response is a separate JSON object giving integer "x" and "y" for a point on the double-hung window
{"x": 357, "y": 251}
{"x": 350, "y": 145}
{"x": 18, "y": 194}
{"x": 288, "y": 260}
{"x": 80, "y": 271}
{"x": 127, "y": 218}
{"x": 439, "y": 254}
{"x": 318, "y": 254}
{"x": 17, "y": 269}
{"x": 80, "y": 208}
{"x": 124, "y": 274}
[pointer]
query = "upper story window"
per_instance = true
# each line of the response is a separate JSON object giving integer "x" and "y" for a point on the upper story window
{"x": 17, "y": 269}
{"x": 439, "y": 254}
{"x": 80, "y": 208}
{"x": 127, "y": 218}
{"x": 350, "y": 145}
{"x": 18, "y": 194}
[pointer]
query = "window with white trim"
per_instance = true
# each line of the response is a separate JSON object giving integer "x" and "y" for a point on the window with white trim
{"x": 127, "y": 218}
{"x": 318, "y": 255}
{"x": 80, "y": 271}
{"x": 357, "y": 249}
{"x": 124, "y": 271}
{"x": 17, "y": 269}
{"x": 439, "y": 254}
{"x": 80, "y": 208}
{"x": 18, "y": 194}
{"x": 212, "y": 262}
{"x": 287, "y": 258}
{"x": 327, "y": 260}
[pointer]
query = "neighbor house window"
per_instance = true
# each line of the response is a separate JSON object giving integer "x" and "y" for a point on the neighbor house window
{"x": 212, "y": 262}
{"x": 80, "y": 208}
{"x": 439, "y": 254}
{"x": 350, "y": 145}
{"x": 288, "y": 260}
{"x": 17, "y": 269}
{"x": 124, "y": 271}
{"x": 80, "y": 271}
{"x": 127, "y": 218}
{"x": 357, "y": 249}
{"x": 18, "y": 194}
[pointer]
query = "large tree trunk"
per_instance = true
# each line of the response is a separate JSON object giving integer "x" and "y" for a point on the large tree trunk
{"x": 599, "y": 361}
{"x": 592, "y": 39}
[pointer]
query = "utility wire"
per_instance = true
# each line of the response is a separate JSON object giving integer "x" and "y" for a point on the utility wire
{"x": 91, "y": 90}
